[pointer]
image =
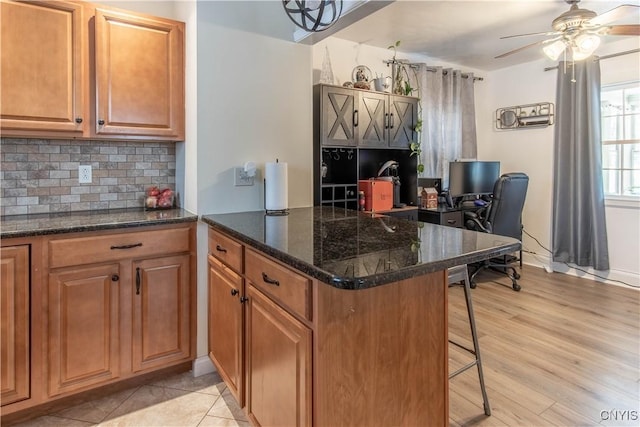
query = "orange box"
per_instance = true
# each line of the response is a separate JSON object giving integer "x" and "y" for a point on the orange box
{"x": 378, "y": 194}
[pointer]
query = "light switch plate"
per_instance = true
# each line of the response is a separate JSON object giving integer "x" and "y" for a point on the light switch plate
{"x": 241, "y": 178}
{"x": 84, "y": 174}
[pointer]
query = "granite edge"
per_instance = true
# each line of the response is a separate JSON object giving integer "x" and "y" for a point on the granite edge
{"x": 97, "y": 227}
{"x": 370, "y": 281}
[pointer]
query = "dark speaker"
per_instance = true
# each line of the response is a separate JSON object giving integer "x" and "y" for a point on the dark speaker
{"x": 431, "y": 183}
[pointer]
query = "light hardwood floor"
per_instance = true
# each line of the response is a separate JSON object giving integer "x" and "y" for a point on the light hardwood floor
{"x": 556, "y": 353}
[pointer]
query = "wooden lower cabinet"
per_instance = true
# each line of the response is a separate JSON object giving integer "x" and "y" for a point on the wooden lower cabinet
{"x": 161, "y": 312}
{"x": 313, "y": 354}
{"x": 84, "y": 315}
{"x": 278, "y": 364}
{"x": 125, "y": 309}
{"x": 14, "y": 320}
{"x": 225, "y": 325}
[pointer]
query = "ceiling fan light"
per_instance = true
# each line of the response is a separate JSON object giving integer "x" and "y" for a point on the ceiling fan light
{"x": 554, "y": 50}
{"x": 587, "y": 42}
{"x": 584, "y": 45}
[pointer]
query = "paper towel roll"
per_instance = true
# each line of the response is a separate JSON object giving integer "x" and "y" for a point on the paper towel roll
{"x": 275, "y": 191}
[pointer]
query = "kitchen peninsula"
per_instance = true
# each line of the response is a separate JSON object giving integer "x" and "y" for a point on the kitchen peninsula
{"x": 327, "y": 316}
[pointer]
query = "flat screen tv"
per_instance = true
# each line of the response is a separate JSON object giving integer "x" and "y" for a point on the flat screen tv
{"x": 472, "y": 177}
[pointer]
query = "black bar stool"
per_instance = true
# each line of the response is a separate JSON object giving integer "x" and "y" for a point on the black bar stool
{"x": 459, "y": 274}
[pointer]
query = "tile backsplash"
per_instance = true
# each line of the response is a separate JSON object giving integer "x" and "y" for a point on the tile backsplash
{"x": 41, "y": 176}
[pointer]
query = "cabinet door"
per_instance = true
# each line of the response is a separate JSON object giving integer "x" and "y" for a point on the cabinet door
{"x": 42, "y": 86}
{"x": 278, "y": 364}
{"x": 139, "y": 76}
{"x": 161, "y": 310}
{"x": 14, "y": 319}
{"x": 403, "y": 119}
{"x": 225, "y": 325}
{"x": 339, "y": 116}
{"x": 83, "y": 327}
{"x": 374, "y": 120}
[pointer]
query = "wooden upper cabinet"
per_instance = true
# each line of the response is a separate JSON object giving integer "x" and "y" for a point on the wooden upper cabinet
{"x": 42, "y": 84}
{"x": 374, "y": 119}
{"x": 339, "y": 116}
{"x": 404, "y": 117}
{"x": 14, "y": 319}
{"x": 139, "y": 76}
{"x": 72, "y": 69}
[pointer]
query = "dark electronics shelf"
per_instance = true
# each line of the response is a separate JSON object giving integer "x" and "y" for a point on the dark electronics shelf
{"x": 355, "y": 133}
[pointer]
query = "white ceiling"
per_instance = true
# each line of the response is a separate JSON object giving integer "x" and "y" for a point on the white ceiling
{"x": 468, "y": 32}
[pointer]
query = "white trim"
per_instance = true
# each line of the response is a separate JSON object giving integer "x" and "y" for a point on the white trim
{"x": 627, "y": 202}
{"x": 202, "y": 366}
{"x": 544, "y": 261}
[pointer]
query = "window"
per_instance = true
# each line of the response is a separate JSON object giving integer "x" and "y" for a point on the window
{"x": 620, "y": 106}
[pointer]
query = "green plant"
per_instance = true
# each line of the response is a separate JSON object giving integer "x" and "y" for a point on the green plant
{"x": 402, "y": 86}
{"x": 415, "y": 146}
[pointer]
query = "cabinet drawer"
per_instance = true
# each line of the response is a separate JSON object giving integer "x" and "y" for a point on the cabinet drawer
{"x": 451, "y": 219}
{"x": 226, "y": 250}
{"x": 280, "y": 283}
{"x": 87, "y": 250}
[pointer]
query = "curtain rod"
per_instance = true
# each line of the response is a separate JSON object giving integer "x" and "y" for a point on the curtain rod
{"x": 432, "y": 69}
{"x": 613, "y": 55}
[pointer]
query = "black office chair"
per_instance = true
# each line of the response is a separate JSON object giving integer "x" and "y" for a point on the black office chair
{"x": 502, "y": 216}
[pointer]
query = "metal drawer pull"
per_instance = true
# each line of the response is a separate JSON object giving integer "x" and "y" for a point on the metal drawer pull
{"x": 138, "y": 281}
{"x": 220, "y": 249}
{"x": 133, "y": 245}
{"x": 451, "y": 221}
{"x": 269, "y": 280}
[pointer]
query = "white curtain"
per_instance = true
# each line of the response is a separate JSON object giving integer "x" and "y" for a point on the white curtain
{"x": 448, "y": 118}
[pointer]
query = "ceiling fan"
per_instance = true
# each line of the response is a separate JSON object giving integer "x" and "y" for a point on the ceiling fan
{"x": 578, "y": 31}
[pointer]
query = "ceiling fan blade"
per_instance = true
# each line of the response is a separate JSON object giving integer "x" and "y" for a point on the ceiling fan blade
{"x": 511, "y": 52}
{"x": 542, "y": 33}
{"x": 623, "y": 30}
{"x": 615, "y": 14}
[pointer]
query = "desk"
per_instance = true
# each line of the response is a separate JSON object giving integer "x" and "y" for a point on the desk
{"x": 444, "y": 215}
{"x": 408, "y": 212}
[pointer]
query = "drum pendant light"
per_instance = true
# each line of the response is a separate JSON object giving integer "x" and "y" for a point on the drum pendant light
{"x": 313, "y": 15}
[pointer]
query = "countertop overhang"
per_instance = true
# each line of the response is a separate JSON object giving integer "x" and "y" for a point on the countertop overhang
{"x": 13, "y": 226}
{"x": 351, "y": 250}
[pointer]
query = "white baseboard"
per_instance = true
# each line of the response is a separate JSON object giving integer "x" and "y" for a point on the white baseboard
{"x": 202, "y": 366}
{"x": 608, "y": 277}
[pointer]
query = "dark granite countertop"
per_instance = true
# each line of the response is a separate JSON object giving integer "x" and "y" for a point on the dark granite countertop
{"x": 70, "y": 222}
{"x": 352, "y": 250}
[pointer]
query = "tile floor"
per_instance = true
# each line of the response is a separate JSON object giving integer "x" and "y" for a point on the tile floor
{"x": 180, "y": 400}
